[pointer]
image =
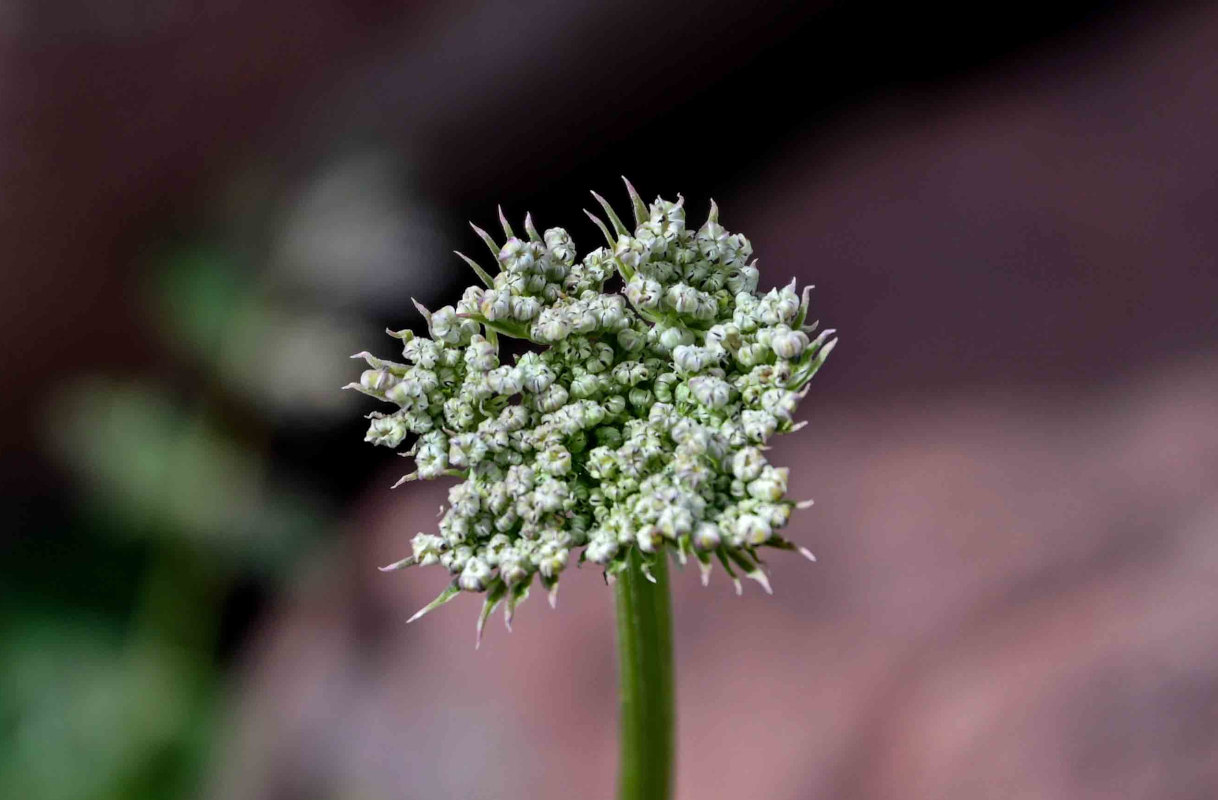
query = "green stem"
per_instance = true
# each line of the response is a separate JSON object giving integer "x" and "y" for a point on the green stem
{"x": 644, "y": 631}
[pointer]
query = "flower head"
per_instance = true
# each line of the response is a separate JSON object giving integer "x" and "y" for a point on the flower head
{"x": 638, "y": 420}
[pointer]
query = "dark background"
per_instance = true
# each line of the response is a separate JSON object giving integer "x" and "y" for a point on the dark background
{"x": 1011, "y": 217}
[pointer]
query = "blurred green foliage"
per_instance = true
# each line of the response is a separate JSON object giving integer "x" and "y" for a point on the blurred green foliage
{"x": 111, "y": 670}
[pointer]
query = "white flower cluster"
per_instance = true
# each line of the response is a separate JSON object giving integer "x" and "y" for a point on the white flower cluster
{"x": 640, "y": 421}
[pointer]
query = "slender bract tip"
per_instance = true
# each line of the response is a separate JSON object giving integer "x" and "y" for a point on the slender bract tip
{"x": 494, "y": 595}
{"x": 601, "y": 225}
{"x": 636, "y": 203}
{"x": 803, "y": 306}
{"x": 448, "y": 594}
{"x": 714, "y": 212}
{"x": 422, "y": 310}
{"x": 486, "y": 237}
{"x": 413, "y": 476}
{"x": 482, "y": 274}
{"x": 530, "y": 229}
{"x": 618, "y": 227}
{"x": 408, "y": 561}
{"x": 507, "y": 229}
{"x": 759, "y": 575}
{"x": 805, "y": 504}
{"x": 806, "y": 553}
{"x": 515, "y": 595}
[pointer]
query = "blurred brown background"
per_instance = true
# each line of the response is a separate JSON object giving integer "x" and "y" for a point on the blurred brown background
{"x": 1011, "y": 217}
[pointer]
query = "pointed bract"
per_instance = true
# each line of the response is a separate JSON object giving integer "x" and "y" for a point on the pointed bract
{"x": 609, "y": 239}
{"x": 490, "y": 243}
{"x": 636, "y": 204}
{"x": 507, "y": 229}
{"x": 408, "y": 561}
{"x": 444, "y": 596}
{"x": 494, "y": 596}
{"x": 530, "y": 230}
{"x": 482, "y": 274}
{"x": 618, "y": 227}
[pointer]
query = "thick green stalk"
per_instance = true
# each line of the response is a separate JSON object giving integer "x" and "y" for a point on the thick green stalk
{"x": 644, "y": 632}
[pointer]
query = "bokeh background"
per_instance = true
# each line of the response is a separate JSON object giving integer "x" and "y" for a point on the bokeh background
{"x": 1011, "y": 215}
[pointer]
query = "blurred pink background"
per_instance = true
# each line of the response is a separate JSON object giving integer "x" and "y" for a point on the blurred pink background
{"x": 1013, "y": 451}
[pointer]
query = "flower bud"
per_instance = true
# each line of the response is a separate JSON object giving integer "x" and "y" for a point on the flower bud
{"x": 710, "y": 391}
{"x": 525, "y": 308}
{"x": 512, "y": 570}
{"x": 504, "y": 380}
{"x": 386, "y": 431}
{"x": 758, "y": 425}
{"x": 682, "y": 299}
{"x": 556, "y": 461}
{"x": 631, "y": 340}
{"x": 552, "y": 562}
{"x": 600, "y": 359}
{"x": 629, "y": 373}
{"x": 649, "y": 538}
{"x": 601, "y": 551}
{"x": 377, "y": 380}
{"x": 551, "y": 326}
{"x": 748, "y": 463}
{"x": 553, "y": 398}
{"x": 496, "y": 304}
{"x": 706, "y": 536}
{"x": 558, "y": 242}
{"x": 753, "y": 529}
{"x": 673, "y": 336}
{"x": 475, "y": 575}
{"x": 644, "y": 293}
{"x": 535, "y": 377}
